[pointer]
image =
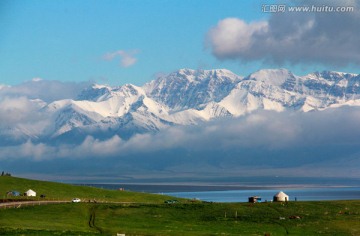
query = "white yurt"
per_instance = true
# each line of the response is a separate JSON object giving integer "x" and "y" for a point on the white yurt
{"x": 281, "y": 197}
{"x": 30, "y": 193}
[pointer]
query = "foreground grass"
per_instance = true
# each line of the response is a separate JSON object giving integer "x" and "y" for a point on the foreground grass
{"x": 148, "y": 215}
{"x": 62, "y": 219}
{"x": 327, "y": 218}
{"x": 59, "y": 191}
{"x": 316, "y": 218}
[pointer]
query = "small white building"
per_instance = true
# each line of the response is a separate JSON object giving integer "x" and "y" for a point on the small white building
{"x": 30, "y": 193}
{"x": 281, "y": 197}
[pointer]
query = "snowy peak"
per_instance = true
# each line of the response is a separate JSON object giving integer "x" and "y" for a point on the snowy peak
{"x": 100, "y": 93}
{"x": 128, "y": 90}
{"x": 105, "y": 107}
{"x": 333, "y": 76}
{"x": 275, "y": 77}
{"x": 183, "y": 97}
{"x": 113, "y": 102}
{"x": 187, "y": 88}
{"x": 330, "y": 84}
{"x": 199, "y": 75}
{"x": 94, "y": 92}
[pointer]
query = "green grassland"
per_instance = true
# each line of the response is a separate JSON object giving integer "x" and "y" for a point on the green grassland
{"x": 151, "y": 216}
{"x": 60, "y": 191}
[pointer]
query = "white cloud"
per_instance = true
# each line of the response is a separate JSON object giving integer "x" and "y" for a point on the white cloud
{"x": 306, "y": 142}
{"x": 2, "y": 86}
{"x": 329, "y": 38}
{"x": 46, "y": 90}
{"x": 127, "y": 58}
{"x": 95, "y": 147}
{"x": 21, "y": 118}
{"x": 233, "y": 36}
{"x": 37, "y": 79}
{"x": 18, "y": 110}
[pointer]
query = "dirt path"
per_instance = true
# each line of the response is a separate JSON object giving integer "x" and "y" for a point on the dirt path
{"x": 92, "y": 220}
{"x": 28, "y": 203}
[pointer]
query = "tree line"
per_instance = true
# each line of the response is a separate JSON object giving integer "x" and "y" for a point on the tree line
{"x": 5, "y": 174}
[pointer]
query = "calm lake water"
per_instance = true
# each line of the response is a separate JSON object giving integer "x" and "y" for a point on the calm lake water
{"x": 303, "y": 194}
{"x": 240, "y": 194}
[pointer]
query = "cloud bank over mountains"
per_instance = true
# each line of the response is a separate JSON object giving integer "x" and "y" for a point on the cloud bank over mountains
{"x": 267, "y": 130}
{"x": 320, "y": 144}
{"x": 327, "y": 38}
{"x": 189, "y": 121}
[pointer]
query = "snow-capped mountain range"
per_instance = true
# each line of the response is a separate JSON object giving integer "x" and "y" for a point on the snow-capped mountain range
{"x": 184, "y": 97}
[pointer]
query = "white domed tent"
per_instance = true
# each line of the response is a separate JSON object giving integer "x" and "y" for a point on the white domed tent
{"x": 30, "y": 193}
{"x": 281, "y": 197}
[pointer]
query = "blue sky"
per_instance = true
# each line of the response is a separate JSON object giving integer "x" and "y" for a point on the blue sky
{"x": 132, "y": 41}
{"x": 125, "y": 41}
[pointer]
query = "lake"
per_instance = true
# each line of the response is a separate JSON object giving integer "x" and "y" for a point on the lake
{"x": 302, "y": 194}
{"x": 226, "y": 193}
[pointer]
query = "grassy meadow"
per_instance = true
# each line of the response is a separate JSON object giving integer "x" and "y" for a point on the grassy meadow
{"x": 151, "y": 216}
{"x": 60, "y": 191}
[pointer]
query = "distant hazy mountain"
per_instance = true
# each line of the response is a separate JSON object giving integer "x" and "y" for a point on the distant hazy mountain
{"x": 184, "y": 97}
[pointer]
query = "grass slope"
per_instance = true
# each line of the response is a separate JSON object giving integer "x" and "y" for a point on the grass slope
{"x": 317, "y": 218}
{"x": 153, "y": 217}
{"x": 59, "y": 191}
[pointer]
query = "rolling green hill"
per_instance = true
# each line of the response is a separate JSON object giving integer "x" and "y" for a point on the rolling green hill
{"x": 59, "y": 191}
{"x": 149, "y": 215}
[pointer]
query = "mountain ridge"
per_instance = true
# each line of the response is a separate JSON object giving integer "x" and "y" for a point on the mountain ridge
{"x": 184, "y": 97}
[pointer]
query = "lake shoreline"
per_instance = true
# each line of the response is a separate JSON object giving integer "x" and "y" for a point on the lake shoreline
{"x": 161, "y": 187}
